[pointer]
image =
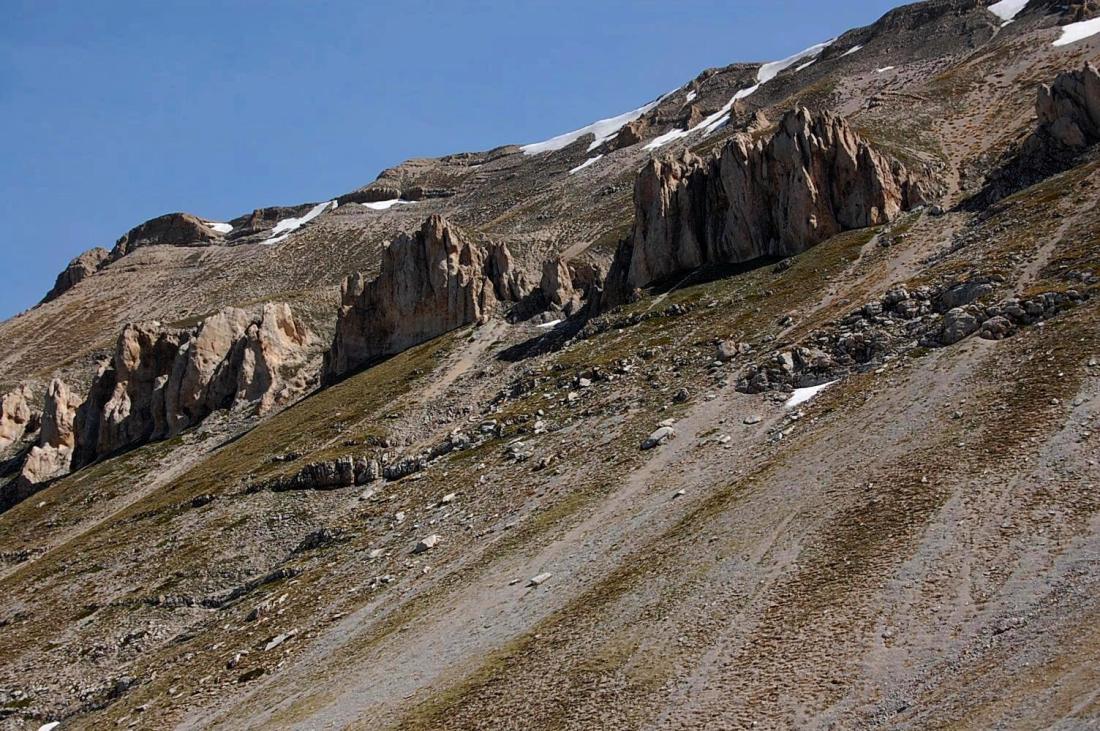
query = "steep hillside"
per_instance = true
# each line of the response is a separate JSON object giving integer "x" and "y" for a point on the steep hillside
{"x": 770, "y": 404}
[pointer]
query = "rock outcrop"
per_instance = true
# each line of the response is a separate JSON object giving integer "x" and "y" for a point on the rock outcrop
{"x": 171, "y": 229}
{"x": 1068, "y": 111}
{"x": 52, "y": 454}
{"x": 814, "y": 178}
{"x": 79, "y": 269}
{"x": 430, "y": 283}
{"x": 163, "y": 380}
{"x": 1069, "y": 108}
{"x": 16, "y": 415}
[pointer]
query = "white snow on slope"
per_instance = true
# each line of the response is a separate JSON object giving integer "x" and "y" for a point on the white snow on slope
{"x": 548, "y": 325}
{"x": 586, "y": 163}
{"x": 49, "y": 726}
{"x": 851, "y": 50}
{"x": 884, "y": 69}
{"x": 287, "y": 226}
{"x": 1078, "y": 31}
{"x": 806, "y": 65}
{"x": 222, "y": 228}
{"x": 604, "y": 130}
{"x": 691, "y": 96}
{"x": 802, "y": 395}
{"x": 386, "y": 205}
{"x": 1007, "y": 10}
{"x": 769, "y": 71}
{"x": 717, "y": 120}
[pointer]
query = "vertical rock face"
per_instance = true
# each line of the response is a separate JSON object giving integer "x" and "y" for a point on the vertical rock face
{"x": 1069, "y": 108}
{"x": 811, "y": 180}
{"x": 16, "y": 415}
{"x": 78, "y": 270}
{"x": 51, "y": 456}
{"x": 162, "y": 380}
{"x": 430, "y": 283}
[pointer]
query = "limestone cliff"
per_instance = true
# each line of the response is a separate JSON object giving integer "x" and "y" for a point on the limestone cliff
{"x": 430, "y": 283}
{"x": 163, "y": 380}
{"x": 813, "y": 178}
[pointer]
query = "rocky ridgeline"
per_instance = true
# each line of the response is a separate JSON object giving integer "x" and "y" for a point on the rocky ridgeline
{"x": 162, "y": 380}
{"x": 812, "y": 179}
{"x": 899, "y": 320}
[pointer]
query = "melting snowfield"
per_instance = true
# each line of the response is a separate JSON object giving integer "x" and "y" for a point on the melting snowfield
{"x": 287, "y": 226}
{"x": 1078, "y": 31}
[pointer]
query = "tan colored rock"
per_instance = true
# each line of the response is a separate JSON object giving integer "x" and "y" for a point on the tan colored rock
{"x": 16, "y": 415}
{"x": 171, "y": 229}
{"x": 1069, "y": 108}
{"x": 557, "y": 286}
{"x": 430, "y": 283}
{"x": 509, "y": 282}
{"x": 51, "y": 456}
{"x": 78, "y": 270}
{"x": 811, "y": 180}
{"x": 163, "y": 380}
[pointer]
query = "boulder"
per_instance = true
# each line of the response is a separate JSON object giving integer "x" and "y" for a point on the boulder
{"x": 813, "y": 178}
{"x": 663, "y": 435}
{"x": 430, "y": 283}
{"x": 958, "y": 323}
{"x": 79, "y": 269}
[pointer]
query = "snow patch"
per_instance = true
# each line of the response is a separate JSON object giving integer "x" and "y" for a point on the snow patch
{"x": 49, "y": 726}
{"x": 851, "y": 50}
{"x": 690, "y": 97}
{"x": 1007, "y": 10}
{"x": 1078, "y": 31}
{"x": 603, "y": 130}
{"x": 769, "y": 71}
{"x": 548, "y": 325}
{"x": 884, "y": 69}
{"x": 386, "y": 205}
{"x": 719, "y": 119}
{"x": 802, "y": 395}
{"x": 806, "y": 65}
{"x": 222, "y": 228}
{"x": 287, "y": 226}
{"x": 586, "y": 163}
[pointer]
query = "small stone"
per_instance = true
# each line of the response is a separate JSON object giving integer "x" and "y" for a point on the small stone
{"x": 539, "y": 580}
{"x": 679, "y": 493}
{"x": 448, "y": 498}
{"x": 753, "y": 419}
{"x": 659, "y": 437}
{"x": 376, "y": 553}
{"x": 278, "y": 640}
{"x": 426, "y": 544}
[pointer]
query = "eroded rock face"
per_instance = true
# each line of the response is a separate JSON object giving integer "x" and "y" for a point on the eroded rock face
{"x": 163, "y": 380}
{"x": 1069, "y": 108}
{"x": 430, "y": 283}
{"x": 78, "y": 270}
{"x": 811, "y": 180}
{"x": 172, "y": 229}
{"x": 51, "y": 456}
{"x": 16, "y": 415}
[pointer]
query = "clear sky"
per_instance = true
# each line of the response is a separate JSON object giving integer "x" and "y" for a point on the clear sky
{"x": 117, "y": 111}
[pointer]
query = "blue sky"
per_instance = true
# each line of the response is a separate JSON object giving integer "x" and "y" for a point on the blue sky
{"x": 114, "y": 112}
